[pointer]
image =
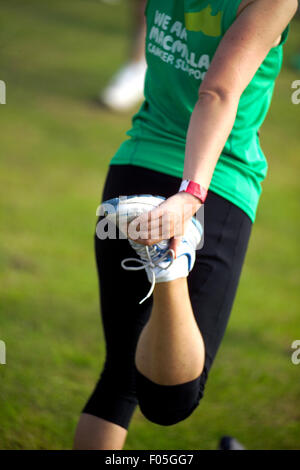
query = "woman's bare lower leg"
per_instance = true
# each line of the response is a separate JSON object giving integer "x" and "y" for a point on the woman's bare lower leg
{"x": 170, "y": 349}
{"x": 94, "y": 433}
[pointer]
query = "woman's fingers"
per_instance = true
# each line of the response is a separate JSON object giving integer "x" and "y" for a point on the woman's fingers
{"x": 164, "y": 222}
{"x": 162, "y": 228}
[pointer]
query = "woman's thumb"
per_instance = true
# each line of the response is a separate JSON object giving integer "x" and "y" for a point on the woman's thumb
{"x": 174, "y": 244}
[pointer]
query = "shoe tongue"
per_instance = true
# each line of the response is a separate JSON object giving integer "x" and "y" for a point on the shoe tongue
{"x": 163, "y": 245}
{"x": 155, "y": 251}
{"x": 159, "y": 249}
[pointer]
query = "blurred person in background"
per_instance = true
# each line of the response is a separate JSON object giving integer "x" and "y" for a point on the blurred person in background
{"x": 126, "y": 88}
{"x": 212, "y": 67}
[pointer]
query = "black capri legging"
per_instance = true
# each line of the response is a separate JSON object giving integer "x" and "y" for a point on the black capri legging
{"x": 212, "y": 286}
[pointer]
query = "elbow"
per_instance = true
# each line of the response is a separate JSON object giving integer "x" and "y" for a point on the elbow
{"x": 218, "y": 94}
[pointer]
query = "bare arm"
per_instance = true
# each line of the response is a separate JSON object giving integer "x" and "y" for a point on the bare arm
{"x": 239, "y": 55}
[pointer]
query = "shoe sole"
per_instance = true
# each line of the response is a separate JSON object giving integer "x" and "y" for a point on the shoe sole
{"x": 126, "y": 208}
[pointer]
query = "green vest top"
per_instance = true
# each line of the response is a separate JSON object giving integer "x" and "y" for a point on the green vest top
{"x": 182, "y": 37}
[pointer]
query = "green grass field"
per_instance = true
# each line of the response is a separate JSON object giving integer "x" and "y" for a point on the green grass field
{"x": 56, "y": 144}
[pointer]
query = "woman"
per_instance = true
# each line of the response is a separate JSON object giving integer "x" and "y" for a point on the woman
{"x": 211, "y": 72}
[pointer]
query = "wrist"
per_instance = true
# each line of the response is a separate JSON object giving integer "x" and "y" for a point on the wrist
{"x": 191, "y": 204}
{"x": 190, "y": 198}
{"x": 194, "y": 189}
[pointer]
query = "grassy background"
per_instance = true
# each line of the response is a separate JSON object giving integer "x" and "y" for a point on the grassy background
{"x": 55, "y": 148}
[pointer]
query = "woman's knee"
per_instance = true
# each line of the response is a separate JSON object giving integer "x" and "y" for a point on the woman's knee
{"x": 168, "y": 404}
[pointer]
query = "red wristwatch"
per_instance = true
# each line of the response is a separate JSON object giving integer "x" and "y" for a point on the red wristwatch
{"x": 193, "y": 188}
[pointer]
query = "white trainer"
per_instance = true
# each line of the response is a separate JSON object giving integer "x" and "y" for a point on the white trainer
{"x": 158, "y": 260}
{"x": 126, "y": 88}
{"x": 122, "y": 210}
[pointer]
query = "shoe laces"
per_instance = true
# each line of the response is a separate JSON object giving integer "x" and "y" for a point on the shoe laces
{"x": 150, "y": 257}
